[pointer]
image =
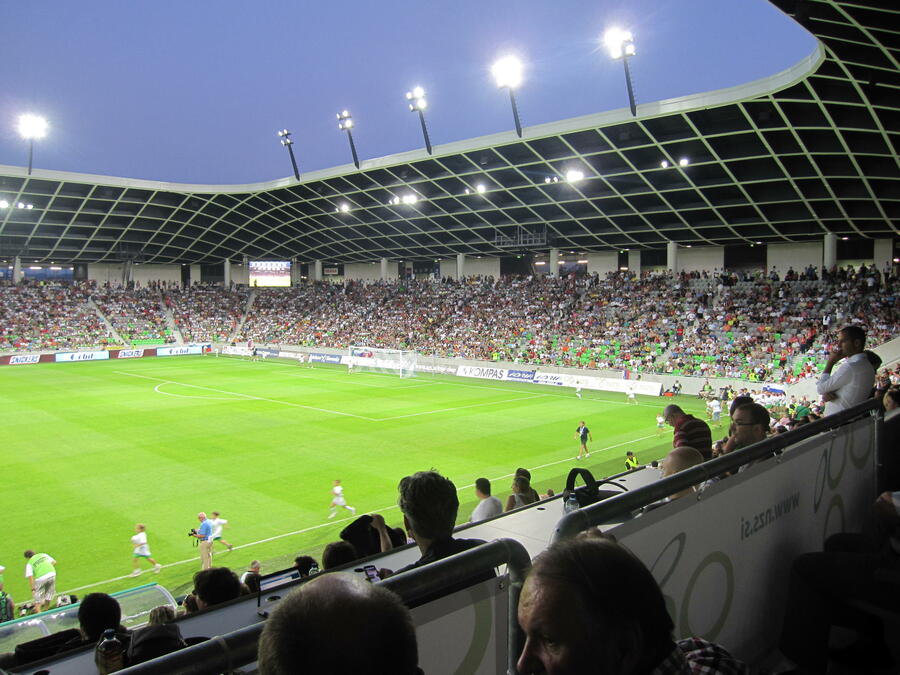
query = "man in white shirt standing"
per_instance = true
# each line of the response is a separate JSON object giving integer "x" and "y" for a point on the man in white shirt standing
{"x": 488, "y": 506}
{"x": 853, "y": 382}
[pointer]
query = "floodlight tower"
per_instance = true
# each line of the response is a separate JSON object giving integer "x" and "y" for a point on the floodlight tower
{"x": 288, "y": 142}
{"x": 345, "y": 123}
{"x": 620, "y": 44}
{"x": 30, "y": 128}
{"x": 417, "y": 103}
{"x": 508, "y": 73}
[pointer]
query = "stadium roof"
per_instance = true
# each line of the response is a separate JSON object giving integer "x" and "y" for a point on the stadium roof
{"x": 811, "y": 150}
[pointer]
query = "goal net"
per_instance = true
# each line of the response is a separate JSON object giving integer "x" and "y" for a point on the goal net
{"x": 376, "y": 360}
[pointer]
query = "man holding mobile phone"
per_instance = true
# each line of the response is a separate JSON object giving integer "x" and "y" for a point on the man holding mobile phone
{"x": 853, "y": 382}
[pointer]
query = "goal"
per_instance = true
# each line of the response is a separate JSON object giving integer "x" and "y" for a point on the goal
{"x": 376, "y": 360}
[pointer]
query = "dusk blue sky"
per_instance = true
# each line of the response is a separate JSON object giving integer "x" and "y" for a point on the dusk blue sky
{"x": 195, "y": 91}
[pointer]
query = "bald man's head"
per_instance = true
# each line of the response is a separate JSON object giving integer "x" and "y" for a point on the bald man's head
{"x": 680, "y": 459}
{"x": 339, "y": 623}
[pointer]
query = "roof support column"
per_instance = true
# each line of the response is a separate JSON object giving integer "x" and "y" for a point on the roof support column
{"x": 226, "y": 274}
{"x": 884, "y": 254}
{"x": 460, "y": 265}
{"x": 317, "y": 270}
{"x": 829, "y": 251}
{"x": 634, "y": 261}
{"x": 671, "y": 257}
{"x": 384, "y": 269}
{"x": 127, "y": 272}
{"x": 17, "y": 270}
{"x": 554, "y": 262}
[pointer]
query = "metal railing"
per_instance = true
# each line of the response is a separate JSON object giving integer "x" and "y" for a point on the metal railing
{"x": 225, "y": 653}
{"x": 622, "y": 507}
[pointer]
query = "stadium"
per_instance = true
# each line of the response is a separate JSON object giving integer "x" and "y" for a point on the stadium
{"x": 246, "y": 350}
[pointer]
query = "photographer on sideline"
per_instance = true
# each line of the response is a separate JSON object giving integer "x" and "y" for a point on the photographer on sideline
{"x": 205, "y": 534}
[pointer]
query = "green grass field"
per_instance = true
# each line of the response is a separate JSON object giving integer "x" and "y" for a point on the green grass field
{"x": 89, "y": 449}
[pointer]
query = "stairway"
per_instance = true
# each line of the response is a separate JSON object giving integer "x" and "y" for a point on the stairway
{"x": 114, "y": 334}
{"x": 170, "y": 319}
{"x": 240, "y": 326}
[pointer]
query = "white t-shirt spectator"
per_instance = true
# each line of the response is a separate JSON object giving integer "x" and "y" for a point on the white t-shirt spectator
{"x": 487, "y": 508}
{"x": 852, "y": 383}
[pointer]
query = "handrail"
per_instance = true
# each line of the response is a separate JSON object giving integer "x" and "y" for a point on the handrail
{"x": 238, "y": 648}
{"x": 620, "y": 507}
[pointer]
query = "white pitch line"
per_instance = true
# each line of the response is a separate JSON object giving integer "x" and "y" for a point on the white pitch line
{"x": 249, "y": 396}
{"x": 326, "y": 410}
{"x": 203, "y": 398}
{"x": 461, "y": 407}
{"x": 335, "y": 522}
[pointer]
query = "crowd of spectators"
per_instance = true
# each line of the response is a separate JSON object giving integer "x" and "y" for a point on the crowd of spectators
{"x": 758, "y": 329}
{"x": 49, "y": 317}
{"x": 206, "y": 312}
{"x": 754, "y": 326}
{"x": 135, "y": 314}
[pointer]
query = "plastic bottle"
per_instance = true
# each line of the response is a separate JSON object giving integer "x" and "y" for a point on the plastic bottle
{"x": 572, "y": 503}
{"x": 109, "y": 654}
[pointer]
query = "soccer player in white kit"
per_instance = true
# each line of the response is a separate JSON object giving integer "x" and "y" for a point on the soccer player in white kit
{"x": 338, "y": 500}
{"x": 142, "y": 550}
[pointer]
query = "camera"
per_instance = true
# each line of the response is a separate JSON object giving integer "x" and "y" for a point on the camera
{"x": 192, "y": 532}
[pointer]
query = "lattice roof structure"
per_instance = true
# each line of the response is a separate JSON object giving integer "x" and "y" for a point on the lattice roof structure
{"x": 812, "y": 150}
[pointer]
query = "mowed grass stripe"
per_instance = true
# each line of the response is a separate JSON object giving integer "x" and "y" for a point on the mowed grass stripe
{"x": 88, "y": 453}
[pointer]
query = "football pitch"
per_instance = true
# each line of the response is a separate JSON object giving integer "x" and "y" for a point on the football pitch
{"x": 90, "y": 449}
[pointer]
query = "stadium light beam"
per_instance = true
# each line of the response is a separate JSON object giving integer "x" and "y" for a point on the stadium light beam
{"x": 620, "y": 45}
{"x": 30, "y": 128}
{"x": 508, "y": 73}
{"x": 418, "y": 103}
{"x": 345, "y": 123}
{"x": 288, "y": 142}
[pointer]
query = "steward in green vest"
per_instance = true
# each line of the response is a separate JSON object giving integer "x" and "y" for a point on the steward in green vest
{"x": 631, "y": 462}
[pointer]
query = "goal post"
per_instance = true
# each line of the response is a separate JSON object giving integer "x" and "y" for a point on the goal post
{"x": 377, "y": 360}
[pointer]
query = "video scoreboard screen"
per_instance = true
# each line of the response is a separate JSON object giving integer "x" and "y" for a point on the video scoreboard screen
{"x": 270, "y": 273}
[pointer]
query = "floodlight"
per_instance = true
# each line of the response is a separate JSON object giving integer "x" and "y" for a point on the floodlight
{"x": 664, "y": 164}
{"x": 4, "y": 204}
{"x": 507, "y": 72}
{"x": 288, "y": 142}
{"x": 574, "y": 175}
{"x": 410, "y": 199}
{"x": 619, "y": 42}
{"x": 480, "y": 188}
{"x": 32, "y": 126}
{"x": 620, "y": 45}
{"x": 345, "y": 123}
{"x": 683, "y": 161}
{"x": 345, "y": 208}
{"x": 417, "y": 103}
